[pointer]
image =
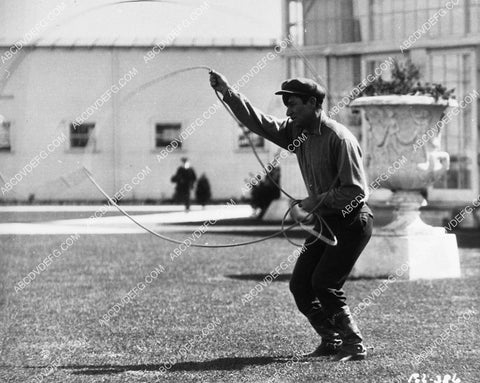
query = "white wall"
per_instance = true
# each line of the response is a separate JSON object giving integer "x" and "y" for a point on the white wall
{"x": 52, "y": 86}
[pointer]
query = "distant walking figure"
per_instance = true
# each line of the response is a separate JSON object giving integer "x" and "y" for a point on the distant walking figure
{"x": 184, "y": 179}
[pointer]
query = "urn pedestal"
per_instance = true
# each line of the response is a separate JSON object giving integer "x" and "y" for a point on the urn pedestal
{"x": 403, "y": 154}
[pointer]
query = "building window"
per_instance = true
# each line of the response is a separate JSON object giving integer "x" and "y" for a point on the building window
{"x": 326, "y": 21}
{"x": 257, "y": 141}
{"x": 5, "y": 136}
{"x": 412, "y": 15}
{"x": 344, "y": 21}
{"x": 80, "y": 135}
{"x": 453, "y": 70}
{"x": 295, "y": 26}
{"x": 166, "y": 133}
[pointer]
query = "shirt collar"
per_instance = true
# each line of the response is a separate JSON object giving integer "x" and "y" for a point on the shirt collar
{"x": 317, "y": 131}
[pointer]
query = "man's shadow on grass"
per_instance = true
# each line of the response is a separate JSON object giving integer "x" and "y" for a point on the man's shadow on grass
{"x": 220, "y": 364}
{"x": 259, "y": 277}
{"x": 284, "y": 277}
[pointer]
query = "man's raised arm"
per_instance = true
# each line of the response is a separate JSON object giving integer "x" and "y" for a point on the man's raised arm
{"x": 271, "y": 128}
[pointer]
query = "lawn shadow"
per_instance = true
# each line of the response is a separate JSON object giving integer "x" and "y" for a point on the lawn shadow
{"x": 259, "y": 277}
{"x": 220, "y": 364}
{"x": 286, "y": 277}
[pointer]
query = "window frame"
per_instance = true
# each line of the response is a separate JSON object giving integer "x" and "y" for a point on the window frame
{"x": 8, "y": 126}
{"x": 71, "y": 127}
{"x": 247, "y": 145}
{"x": 462, "y": 194}
{"x": 167, "y": 124}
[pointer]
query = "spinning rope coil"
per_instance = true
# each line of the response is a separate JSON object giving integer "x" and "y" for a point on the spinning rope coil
{"x": 294, "y": 202}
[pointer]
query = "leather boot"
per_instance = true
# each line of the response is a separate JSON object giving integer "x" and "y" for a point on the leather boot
{"x": 324, "y": 327}
{"x": 352, "y": 347}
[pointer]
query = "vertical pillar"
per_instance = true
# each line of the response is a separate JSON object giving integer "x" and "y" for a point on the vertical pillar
{"x": 370, "y": 21}
{"x": 115, "y": 118}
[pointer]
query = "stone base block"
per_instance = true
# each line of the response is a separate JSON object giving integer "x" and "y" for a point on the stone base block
{"x": 423, "y": 256}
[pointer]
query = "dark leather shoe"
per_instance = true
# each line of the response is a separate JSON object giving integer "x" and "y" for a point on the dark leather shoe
{"x": 351, "y": 352}
{"x": 325, "y": 349}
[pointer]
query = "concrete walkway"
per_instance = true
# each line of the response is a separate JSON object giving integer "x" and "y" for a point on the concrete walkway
{"x": 162, "y": 219}
{"x": 93, "y": 208}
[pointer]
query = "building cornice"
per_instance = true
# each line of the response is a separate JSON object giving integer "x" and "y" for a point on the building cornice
{"x": 358, "y": 48}
{"x": 134, "y": 42}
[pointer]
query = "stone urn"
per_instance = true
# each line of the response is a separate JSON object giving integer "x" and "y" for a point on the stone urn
{"x": 403, "y": 155}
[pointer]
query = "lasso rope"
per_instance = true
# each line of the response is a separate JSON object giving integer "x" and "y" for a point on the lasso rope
{"x": 320, "y": 220}
{"x": 18, "y": 59}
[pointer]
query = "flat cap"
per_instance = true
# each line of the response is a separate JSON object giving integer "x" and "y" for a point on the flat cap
{"x": 302, "y": 86}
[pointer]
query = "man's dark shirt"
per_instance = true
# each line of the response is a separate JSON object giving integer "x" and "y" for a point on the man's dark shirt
{"x": 330, "y": 158}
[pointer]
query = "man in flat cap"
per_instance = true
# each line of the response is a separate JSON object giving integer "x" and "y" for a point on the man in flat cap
{"x": 330, "y": 160}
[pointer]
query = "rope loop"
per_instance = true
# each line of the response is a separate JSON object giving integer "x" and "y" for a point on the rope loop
{"x": 317, "y": 218}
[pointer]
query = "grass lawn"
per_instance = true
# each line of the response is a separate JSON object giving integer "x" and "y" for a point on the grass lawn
{"x": 52, "y": 325}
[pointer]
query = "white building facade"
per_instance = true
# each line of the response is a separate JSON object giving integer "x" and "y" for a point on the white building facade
{"x": 104, "y": 107}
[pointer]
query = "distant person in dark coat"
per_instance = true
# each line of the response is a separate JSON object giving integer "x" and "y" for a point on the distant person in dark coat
{"x": 184, "y": 179}
{"x": 203, "y": 193}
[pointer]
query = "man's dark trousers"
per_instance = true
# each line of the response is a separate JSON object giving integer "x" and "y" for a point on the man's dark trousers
{"x": 321, "y": 270}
